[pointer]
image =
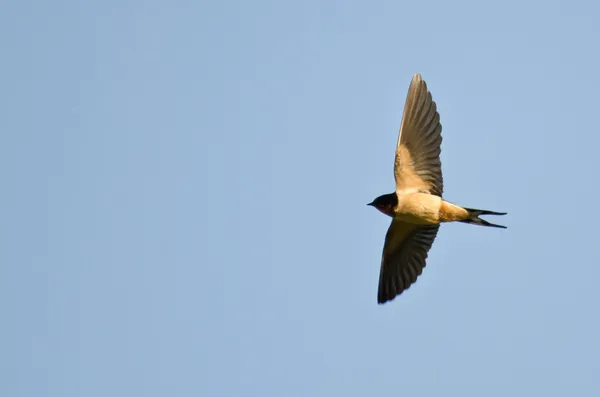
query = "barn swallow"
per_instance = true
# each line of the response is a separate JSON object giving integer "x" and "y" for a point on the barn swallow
{"x": 416, "y": 207}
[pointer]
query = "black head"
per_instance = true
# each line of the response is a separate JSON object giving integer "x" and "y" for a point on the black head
{"x": 386, "y": 203}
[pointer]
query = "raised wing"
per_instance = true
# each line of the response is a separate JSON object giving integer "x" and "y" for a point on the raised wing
{"x": 418, "y": 164}
{"x": 404, "y": 255}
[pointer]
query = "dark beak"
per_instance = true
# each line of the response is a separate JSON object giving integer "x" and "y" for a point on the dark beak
{"x": 371, "y": 204}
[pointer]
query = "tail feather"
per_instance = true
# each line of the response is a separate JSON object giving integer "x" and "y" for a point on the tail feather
{"x": 476, "y": 220}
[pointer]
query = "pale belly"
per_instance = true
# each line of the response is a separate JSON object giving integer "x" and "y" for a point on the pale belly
{"x": 419, "y": 208}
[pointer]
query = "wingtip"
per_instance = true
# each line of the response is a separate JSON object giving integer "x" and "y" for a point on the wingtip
{"x": 383, "y": 298}
{"x": 386, "y": 298}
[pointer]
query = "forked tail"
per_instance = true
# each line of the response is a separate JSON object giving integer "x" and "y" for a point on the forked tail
{"x": 476, "y": 220}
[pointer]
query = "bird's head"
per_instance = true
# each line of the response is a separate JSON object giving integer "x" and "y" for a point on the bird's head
{"x": 385, "y": 203}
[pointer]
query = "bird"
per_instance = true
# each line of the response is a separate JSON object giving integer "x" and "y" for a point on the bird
{"x": 416, "y": 207}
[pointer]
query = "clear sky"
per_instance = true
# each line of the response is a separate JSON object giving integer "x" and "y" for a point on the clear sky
{"x": 184, "y": 187}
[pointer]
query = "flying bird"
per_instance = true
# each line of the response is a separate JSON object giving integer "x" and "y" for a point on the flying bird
{"x": 416, "y": 207}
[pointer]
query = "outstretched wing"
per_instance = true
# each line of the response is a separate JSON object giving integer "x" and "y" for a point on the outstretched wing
{"x": 418, "y": 164}
{"x": 404, "y": 255}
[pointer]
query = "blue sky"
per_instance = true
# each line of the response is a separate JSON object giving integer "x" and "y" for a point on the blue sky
{"x": 184, "y": 189}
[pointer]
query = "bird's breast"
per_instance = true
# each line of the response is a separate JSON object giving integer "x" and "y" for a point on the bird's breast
{"x": 419, "y": 208}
